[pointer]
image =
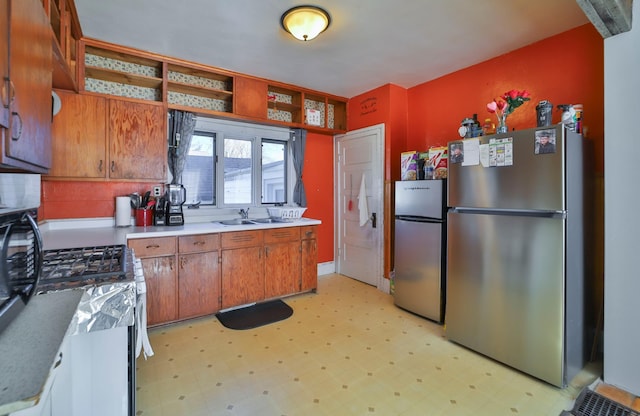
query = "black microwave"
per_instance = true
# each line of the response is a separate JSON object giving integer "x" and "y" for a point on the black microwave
{"x": 20, "y": 262}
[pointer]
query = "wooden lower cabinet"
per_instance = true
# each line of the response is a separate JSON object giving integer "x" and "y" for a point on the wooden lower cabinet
{"x": 309, "y": 274}
{"x": 281, "y": 261}
{"x": 198, "y": 275}
{"x": 162, "y": 295}
{"x": 158, "y": 258}
{"x": 242, "y": 276}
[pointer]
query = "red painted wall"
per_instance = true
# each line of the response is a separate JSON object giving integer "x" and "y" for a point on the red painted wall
{"x": 388, "y": 105}
{"x": 565, "y": 69}
{"x": 317, "y": 176}
{"x": 77, "y": 199}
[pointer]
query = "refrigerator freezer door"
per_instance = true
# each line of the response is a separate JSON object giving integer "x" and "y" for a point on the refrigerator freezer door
{"x": 506, "y": 289}
{"x": 421, "y": 198}
{"x": 532, "y": 182}
{"x": 418, "y": 280}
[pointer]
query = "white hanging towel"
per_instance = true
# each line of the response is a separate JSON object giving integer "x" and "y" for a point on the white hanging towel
{"x": 362, "y": 203}
{"x": 142, "y": 337}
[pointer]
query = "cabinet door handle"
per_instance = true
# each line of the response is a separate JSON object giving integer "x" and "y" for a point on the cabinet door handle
{"x": 8, "y": 95}
{"x": 153, "y": 246}
{"x": 16, "y": 120}
{"x": 198, "y": 243}
{"x": 113, "y": 166}
{"x": 100, "y": 166}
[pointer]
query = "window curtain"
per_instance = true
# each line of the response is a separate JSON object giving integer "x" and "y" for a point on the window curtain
{"x": 181, "y": 127}
{"x": 298, "y": 144}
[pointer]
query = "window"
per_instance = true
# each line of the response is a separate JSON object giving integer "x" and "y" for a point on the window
{"x": 238, "y": 177}
{"x": 199, "y": 175}
{"x": 232, "y": 164}
{"x": 274, "y": 172}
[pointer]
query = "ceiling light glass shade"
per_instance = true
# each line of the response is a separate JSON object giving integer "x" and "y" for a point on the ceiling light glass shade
{"x": 305, "y": 22}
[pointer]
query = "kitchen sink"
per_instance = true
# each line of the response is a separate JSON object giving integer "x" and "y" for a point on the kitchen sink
{"x": 237, "y": 221}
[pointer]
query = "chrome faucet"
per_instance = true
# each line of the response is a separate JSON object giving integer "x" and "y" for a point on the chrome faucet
{"x": 244, "y": 213}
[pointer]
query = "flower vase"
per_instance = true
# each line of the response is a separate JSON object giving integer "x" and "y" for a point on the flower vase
{"x": 502, "y": 124}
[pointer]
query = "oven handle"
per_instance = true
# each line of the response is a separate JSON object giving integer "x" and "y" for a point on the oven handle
{"x": 38, "y": 253}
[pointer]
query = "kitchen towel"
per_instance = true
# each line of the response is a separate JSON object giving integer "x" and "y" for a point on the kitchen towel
{"x": 142, "y": 336}
{"x": 123, "y": 211}
{"x": 362, "y": 203}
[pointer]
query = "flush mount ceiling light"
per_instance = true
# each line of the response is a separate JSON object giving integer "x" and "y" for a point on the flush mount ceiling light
{"x": 305, "y": 22}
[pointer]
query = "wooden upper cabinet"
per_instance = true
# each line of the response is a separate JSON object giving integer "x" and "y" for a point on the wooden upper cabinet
{"x": 79, "y": 136}
{"x": 138, "y": 141}
{"x": 4, "y": 65}
{"x": 27, "y": 143}
{"x": 117, "y": 70}
{"x": 250, "y": 97}
{"x": 65, "y": 27}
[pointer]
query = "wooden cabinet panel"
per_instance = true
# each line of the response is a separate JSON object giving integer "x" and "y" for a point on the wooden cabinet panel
{"x": 242, "y": 275}
{"x": 309, "y": 265}
{"x": 162, "y": 292}
{"x": 309, "y": 232}
{"x": 278, "y": 235}
{"x": 250, "y": 97}
{"x": 281, "y": 268}
{"x": 198, "y": 243}
{"x": 138, "y": 141}
{"x": 241, "y": 239}
{"x": 4, "y": 66}
{"x": 198, "y": 284}
{"x": 309, "y": 258}
{"x": 79, "y": 137}
{"x": 27, "y": 143}
{"x": 153, "y": 247}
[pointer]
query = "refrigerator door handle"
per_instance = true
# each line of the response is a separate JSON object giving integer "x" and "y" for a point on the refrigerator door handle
{"x": 510, "y": 212}
{"x": 373, "y": 219}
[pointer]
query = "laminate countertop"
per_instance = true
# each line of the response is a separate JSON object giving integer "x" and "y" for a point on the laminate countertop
{"x": 86, "y": 235}
{"x": 29, "y": 347}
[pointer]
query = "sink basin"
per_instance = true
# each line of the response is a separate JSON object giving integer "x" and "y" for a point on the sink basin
{"x": 263, "y": 220}
{"x": 236, "y": 221}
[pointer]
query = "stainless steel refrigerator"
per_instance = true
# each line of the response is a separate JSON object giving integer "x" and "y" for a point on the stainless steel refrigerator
{"x": 515, "y": 289}
{"x": 420, "y": 247}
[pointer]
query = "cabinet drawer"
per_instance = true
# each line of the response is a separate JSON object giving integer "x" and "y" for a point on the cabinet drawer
{"x": 198, "y": 243}
{"x": 282, "y": 234}
{"x": 151, "y": 247}
{"x": 309, "y": 232}
{"x": 241, "y": 239}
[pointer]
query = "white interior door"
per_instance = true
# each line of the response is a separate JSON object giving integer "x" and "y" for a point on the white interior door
{"x": 360, "y": 253}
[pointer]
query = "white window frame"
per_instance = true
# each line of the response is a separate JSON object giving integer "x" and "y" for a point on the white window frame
{"x": 242, "y": 131}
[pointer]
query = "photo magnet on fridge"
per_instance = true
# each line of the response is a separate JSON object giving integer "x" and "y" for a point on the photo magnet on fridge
{"x": 545, "y": 141}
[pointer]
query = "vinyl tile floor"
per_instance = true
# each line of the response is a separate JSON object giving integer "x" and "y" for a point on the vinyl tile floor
{"x": 347, "y": 350}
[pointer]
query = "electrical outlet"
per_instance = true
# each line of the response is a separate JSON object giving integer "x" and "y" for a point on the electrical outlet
{"x": 157, "y": 190}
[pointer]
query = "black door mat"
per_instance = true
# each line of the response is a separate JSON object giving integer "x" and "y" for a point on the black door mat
{"x": 590, "y": 403}
{"x": 256, "y": 315}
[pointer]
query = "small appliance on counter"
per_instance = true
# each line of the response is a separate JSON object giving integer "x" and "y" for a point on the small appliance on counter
{"x": 176, "y": 195}
{"x": 160, "y": 213}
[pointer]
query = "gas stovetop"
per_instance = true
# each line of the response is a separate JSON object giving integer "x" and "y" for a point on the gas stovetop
{"x": 76, "y": 267}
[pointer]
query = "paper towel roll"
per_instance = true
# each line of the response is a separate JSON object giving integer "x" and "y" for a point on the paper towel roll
{"x": 123, "y": 211}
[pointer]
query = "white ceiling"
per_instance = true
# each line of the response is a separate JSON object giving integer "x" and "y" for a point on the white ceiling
{"x": 369, "y": 43}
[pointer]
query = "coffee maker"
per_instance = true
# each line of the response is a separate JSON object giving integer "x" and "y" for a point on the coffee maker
{"x": 176, "y": 195}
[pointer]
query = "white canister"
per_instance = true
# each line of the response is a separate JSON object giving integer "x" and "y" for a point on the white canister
{"x": 123, "y": 211}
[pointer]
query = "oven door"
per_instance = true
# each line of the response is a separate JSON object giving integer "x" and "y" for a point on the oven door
{"x": 21, "y": 260}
